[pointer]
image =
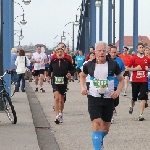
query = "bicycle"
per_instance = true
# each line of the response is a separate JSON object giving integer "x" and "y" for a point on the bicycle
{"x": 13, "y": 84}
{"x": 8, "y": 107}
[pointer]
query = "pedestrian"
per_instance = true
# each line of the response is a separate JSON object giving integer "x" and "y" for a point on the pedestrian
{"x": 60, "y": 70}
{"x": 100, "y": 92}
{"x": 13, "y": 66}
{"x": 39, "y": 59}
{"x": 21, "y": 62}
{"x": 139, "y": 65}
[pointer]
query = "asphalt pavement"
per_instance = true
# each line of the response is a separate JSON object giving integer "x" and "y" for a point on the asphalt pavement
{"x": 36, "y": 130}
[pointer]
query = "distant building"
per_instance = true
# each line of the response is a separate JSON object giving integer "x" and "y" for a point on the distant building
{"x": 128, "y": 41}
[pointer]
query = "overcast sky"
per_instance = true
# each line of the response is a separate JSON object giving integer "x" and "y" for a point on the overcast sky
{"x": 46, "y": 19}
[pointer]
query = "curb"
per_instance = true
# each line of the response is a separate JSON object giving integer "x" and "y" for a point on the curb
{"x": 45, "y": 137}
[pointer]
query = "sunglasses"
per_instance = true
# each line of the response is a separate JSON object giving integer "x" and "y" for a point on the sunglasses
{"x": 59, "y": 50}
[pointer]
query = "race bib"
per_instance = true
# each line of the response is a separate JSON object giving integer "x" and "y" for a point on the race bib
{"x": 101, "y": 84}
{"x": 140, "y": 74}
{"x": 59, "y": 80}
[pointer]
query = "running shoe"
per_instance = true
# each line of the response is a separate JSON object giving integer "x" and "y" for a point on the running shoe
{"x": 112, "y": 121}
{"x": 115, "y": 112}
{"x": 61, "y": 118}
{"x": 141, "y": 118}
{"x": 125, "y": 94}
{"x": 130, "y": 110}
{"x": 72, "y": 80}
{"x": 41, "y": 90}
{"x": 36, "y": 89}
{"x": 57, "y": 120}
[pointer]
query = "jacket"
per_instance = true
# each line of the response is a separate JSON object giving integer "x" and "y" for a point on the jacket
{"x": 21, "y": 65}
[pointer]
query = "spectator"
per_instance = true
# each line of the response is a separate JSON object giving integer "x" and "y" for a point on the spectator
{"x": 21, "y": 62}
{"x": 13, "y": 66}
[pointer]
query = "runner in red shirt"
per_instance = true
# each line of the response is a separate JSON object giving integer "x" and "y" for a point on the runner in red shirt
{"x": 92, "y": 49}
{"x": 126, "y": 59}
{"x": 139, "y": 65}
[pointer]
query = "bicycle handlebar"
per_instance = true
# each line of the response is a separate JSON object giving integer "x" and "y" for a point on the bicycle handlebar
{"x": 6, "y": 72}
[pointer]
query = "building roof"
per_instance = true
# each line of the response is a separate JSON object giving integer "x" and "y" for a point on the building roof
{"x": 128, "y": 40}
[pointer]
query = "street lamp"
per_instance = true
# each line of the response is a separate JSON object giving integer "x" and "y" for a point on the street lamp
{"x": 23, "y": 22}
{"x": 76, "y": 23}
{"x": 63, "y": 37}
{"x": 26, "y": 2}
{"x": 21, "y": 36}
{"x": 98, "y": 3}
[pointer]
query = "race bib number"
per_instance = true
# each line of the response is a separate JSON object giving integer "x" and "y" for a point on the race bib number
{"x": 59, "y": 80}
{"x": 101, "y": 84}
{"x": 140, "y": 74}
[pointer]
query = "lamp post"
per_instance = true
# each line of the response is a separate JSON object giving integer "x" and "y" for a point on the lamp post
{"x": 99, "y": 4}
{"x": 114, "y": 22}
{"x": 1, "y": 51}
{"x": 76, "y": 23}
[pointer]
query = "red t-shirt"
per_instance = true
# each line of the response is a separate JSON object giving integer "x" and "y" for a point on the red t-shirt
{"x": 125, "y": 58}
{"x": 139, "y": 76}
{"x": 87, "y": 57}
{"x": 65, "y": 56}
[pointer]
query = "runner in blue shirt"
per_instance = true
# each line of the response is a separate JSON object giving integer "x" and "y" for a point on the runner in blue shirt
{"x": 79, "y": 60}
{"x": 113, "y": 55}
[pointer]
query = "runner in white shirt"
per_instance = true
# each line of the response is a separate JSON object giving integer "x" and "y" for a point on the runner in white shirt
{"x": 39, "y": 59}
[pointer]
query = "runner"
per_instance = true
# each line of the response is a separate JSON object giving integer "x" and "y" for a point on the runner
{"x": 113, "y": 56}
{"x": 100, "y": 92}
{"x": 92, "y": 49}
{"x": 139, "y": 65}
{"x": 126, "y": 59}
{"x": 46, "y": 67}
{"x": 147, "y": 53}
{"x": 79, "y": 60}
{"x": 39, "y": 59}
{"x": 59, "y": 71}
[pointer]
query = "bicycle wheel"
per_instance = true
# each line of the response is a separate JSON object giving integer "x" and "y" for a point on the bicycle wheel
{"x": 9, "y": 109}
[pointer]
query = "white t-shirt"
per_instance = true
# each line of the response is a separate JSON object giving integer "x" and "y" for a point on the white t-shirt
{"x": 101, "y": 74}
{"x": 42, "y": 57}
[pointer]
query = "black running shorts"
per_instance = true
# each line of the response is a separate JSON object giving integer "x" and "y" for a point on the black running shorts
{"x": 60, "y": 88}
{"x": 100, "y": 108}
{"x": 38, "y": 72}
{"x": 78, "y": 70}
{"x": 126, "y": 73}
{"x": 139, "y": 91}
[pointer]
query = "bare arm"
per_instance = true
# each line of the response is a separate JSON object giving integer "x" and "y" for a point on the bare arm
{"x": 83, "y": 84}
{"x": 116, "y": 93}
{"x": 138, "y": 68}
{"x": 121, "y": 83}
